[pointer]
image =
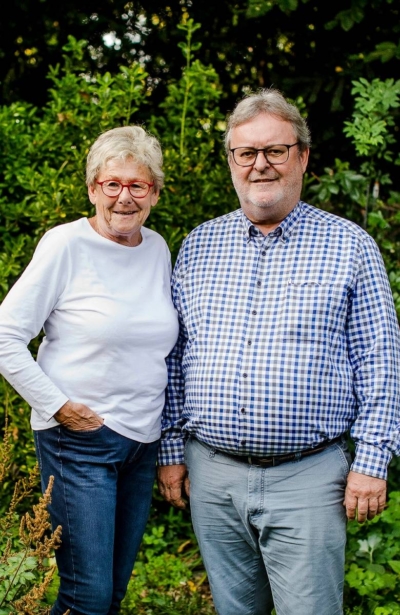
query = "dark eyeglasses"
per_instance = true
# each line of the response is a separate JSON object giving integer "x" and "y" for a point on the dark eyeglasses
{"x": 273, "y": 154}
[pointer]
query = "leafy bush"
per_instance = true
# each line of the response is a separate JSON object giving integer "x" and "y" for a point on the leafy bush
{"x": 357, "y": 194}
{"x": 190, "y": 127}
{"x": 373, "y": 563}
{"x": 164, "y": 580}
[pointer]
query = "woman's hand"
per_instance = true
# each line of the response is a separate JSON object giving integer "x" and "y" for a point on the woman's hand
{"x": 78, "y": 417}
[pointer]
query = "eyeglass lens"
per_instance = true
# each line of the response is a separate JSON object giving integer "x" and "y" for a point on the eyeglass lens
{"x": 274, "y": 154}
{"x": 114, "y": 188}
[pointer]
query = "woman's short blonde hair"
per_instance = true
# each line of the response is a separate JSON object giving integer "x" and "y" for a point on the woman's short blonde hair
{"x": 122, "y": 143}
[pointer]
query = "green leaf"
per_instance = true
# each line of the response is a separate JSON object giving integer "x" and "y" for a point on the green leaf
{"x": 395, "y": 565}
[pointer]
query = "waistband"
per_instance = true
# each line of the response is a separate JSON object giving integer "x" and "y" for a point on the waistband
{"x": 276, "y": 460}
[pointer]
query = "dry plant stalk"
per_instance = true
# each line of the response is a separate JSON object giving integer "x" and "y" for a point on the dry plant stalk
{"x": 35, "y": 536}
{"x": 33, "y": 529}
{"x": 28, "y": 603}
{"x": 23, "y": 489}
{"x": 5, "y": 452}
{"x": 38, "y": 543}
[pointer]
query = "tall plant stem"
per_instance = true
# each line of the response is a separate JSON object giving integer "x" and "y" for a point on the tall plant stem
{"x": 190, "y": 30}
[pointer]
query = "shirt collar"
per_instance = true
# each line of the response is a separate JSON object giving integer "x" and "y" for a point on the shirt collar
{"x": 282, "y": 231}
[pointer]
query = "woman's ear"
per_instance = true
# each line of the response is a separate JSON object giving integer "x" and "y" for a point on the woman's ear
{"x": 155, "y": 195}
{"x": 92, "y": 194}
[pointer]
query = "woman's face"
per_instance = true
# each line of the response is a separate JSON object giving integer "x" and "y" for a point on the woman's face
{"x": 121, "y": 218}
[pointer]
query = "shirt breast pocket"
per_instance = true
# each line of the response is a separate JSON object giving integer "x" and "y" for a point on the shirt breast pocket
{"x": 313, "y": 310}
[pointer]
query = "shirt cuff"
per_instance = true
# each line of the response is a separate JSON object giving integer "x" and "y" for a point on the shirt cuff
{"x": 371, "y": 460}
{"x": 171, "y": 452}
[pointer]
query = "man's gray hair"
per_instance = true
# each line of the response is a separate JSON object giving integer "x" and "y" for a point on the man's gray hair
{"x": 269, "y": 101}
{"x": 122, "y": 143}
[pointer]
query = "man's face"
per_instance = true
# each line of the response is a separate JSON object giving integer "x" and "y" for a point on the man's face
{"x": 267, "y": 193}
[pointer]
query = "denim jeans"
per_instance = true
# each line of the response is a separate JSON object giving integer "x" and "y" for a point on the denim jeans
{"x": 101, "y": 497}
{"x": 271, "y": 537}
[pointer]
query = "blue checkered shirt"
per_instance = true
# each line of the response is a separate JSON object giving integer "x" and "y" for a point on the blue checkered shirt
{"x": 287, "y": 340}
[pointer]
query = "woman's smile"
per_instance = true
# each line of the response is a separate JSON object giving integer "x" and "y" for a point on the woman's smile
{"x": 121, "y": 218}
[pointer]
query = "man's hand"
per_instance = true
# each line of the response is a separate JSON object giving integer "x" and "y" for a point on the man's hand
{"x": 365, "y": 496}
{"x": 173, "y": 483}
{"x": 78, "y": 417}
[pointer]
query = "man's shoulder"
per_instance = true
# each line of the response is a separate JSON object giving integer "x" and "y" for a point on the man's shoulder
{"x": 219, "y": 224}
{"x": 326, "y": 219}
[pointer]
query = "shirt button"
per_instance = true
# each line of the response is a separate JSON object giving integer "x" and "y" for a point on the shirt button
{"x": 264, "y": 253}
{"x": 244, "y": 375}
{"x": 249, "y": 343}
{"x": 254, "y": 312}
{"x": 243, "y": 442}
{"x": 259, "y": 284}
{"x": 243, "y": 410}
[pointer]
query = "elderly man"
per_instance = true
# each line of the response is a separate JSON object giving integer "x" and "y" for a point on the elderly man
{"x": 289, "y": 339}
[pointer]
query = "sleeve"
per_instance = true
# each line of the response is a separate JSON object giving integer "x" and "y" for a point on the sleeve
{"x": 23, "y": 313}
{"x": 169, "y": 264}
{"x": 374, "y": 352}
{"x": 172, "y": 437}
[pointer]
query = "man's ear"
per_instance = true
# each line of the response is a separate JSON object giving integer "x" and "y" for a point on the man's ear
{"x": 304, "y": 159}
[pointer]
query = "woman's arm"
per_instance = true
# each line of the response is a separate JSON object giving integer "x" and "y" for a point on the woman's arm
{"x": 22, "y": 315}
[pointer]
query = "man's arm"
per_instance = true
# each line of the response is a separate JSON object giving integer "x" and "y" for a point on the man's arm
{"x": 373, "y": 345}
{"x": 173, "y": 481}
{"x": 172, "y": 443}
{"x": 365, "y": 496}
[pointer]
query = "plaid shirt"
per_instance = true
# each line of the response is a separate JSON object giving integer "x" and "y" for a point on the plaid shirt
{"x": 286, "y": 340}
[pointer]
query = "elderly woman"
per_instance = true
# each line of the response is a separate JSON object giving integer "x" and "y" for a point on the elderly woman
{"x": 100, "y": 289}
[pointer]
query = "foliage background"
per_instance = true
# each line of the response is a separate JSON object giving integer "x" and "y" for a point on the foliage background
{"x": 178, "y": 69}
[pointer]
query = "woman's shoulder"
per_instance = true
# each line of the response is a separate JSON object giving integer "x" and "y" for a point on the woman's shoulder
{"x": 150, "y": 233}
{"x": 64, "y": 234}
{"x": 153, "y": 237}
{"x": 68, "y": 229}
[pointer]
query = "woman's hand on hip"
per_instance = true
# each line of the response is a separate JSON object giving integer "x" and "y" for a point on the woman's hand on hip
{"x": 78, "y": 417}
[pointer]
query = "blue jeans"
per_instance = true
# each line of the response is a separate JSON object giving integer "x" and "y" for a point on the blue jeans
{"x": 101, "y": 497}
{"x": 271, "y": 537}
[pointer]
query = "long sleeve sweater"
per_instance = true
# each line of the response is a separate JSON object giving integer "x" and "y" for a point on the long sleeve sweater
{"x": 109, "y": 325}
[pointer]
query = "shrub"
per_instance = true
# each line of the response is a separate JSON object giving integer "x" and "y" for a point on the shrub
{"x": 27, "y": 545}
{"x": 373, "y": 563}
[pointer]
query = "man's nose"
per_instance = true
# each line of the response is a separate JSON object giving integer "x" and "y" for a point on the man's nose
{"x": 261, "y": 161}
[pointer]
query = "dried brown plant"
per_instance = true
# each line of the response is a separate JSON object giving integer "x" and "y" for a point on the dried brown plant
{"x": 5, "y": 452}
{"x": 26, "y": 567}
